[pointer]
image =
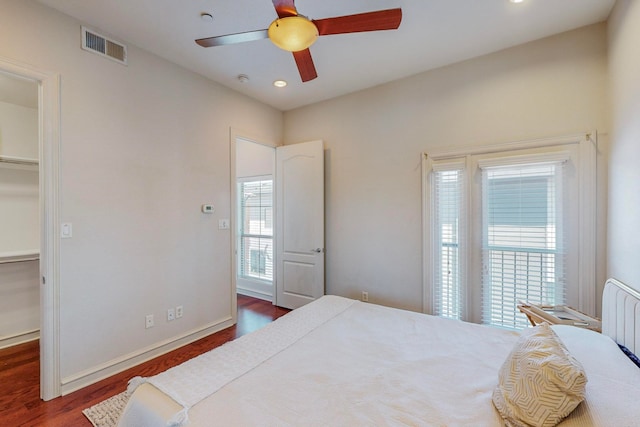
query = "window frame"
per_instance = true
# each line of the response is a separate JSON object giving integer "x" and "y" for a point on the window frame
{"x": 553, "y": 168}
{"x": 429, "y": 242}
{"x": 585, "y": 145}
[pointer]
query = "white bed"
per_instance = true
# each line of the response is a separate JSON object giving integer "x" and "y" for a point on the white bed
{"x": 343, "y": 362}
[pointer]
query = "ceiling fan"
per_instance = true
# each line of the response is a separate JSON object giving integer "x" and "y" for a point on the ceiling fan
{"x": 295, "y": 33}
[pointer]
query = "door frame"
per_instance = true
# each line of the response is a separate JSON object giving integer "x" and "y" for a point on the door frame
{"x": 234, "y": 135}
{"x": 49, "y": 183}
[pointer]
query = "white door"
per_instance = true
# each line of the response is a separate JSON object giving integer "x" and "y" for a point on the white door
{"x": 299, "y": 223}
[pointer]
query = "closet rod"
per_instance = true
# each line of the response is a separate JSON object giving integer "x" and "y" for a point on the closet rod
{"x": 18, "y": 160}
{"x": 19, "y": 256}
{"x": 9, "y": 261}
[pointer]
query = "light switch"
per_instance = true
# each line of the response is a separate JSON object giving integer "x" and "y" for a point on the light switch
{"x": 66, "y": 230}
{"x": 223, "y": 224}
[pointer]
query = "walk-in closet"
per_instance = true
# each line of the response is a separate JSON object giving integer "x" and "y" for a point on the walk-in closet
{"x": 19, "y": 211}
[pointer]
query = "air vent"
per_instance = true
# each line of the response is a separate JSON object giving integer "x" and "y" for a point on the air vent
{"x": 109, "y": 48}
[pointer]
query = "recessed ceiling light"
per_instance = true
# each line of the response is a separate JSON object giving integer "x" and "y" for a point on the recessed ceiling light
{"x": 516, "y": 1}
{"x": 206, "y": 17}
{"x": 279, "y": 83}
{"x": 243, "y": 78}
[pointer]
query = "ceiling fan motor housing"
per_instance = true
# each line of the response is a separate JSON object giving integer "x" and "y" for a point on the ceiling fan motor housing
{"x": 293, "y": 33}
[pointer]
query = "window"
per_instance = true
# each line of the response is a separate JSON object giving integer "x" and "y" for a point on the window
{"x": 256, "y": 229}
{"x": 504, "y": 225}
{"x": 449, "y": 225}
{"x": 258, "y": 261}
{"x": 522, "y": 245}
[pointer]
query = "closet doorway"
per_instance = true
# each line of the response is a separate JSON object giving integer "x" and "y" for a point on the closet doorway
{"x": 19, "y": 212}
{"x": 29, "y": 219}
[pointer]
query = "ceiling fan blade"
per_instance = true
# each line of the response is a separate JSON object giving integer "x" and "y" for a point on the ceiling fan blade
{"x": 233, "y": 38}
{"x": 370, "y": 21}
{"x": 285, "y": 8}
{"x": 305, "y": 65}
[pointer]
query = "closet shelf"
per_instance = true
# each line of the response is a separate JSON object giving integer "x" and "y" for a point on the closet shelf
{"x": 19, "y": 256}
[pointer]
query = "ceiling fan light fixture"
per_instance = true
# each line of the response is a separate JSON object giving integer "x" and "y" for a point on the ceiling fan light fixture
{"x": 293, "y": 33}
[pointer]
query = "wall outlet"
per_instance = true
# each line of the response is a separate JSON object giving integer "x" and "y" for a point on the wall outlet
{"x": 179, "y": 312}
{"x": 171, "y": 314}
{"x": 365, "y": 296}
{"x": 149, "y": 321}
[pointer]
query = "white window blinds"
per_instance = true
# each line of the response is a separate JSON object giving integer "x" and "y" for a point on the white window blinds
{"x": 256, "y": 229}
{"x": 522, "y": 240}
{"x": 510, "y": 222}
{"x": 448, "y": 244}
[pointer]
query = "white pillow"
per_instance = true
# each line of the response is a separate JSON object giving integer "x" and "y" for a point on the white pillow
{"x": 540, "y": 383}
{"x": 598, "y": 354}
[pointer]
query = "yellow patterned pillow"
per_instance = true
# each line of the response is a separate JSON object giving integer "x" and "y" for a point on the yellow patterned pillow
{"x": 540, "y": 383}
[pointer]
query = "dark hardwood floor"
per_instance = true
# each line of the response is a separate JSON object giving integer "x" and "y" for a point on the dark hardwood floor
{"x": 20, "y": 403}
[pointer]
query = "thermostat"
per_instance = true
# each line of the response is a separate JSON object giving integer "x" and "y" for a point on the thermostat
{"x": 207, "y": 209}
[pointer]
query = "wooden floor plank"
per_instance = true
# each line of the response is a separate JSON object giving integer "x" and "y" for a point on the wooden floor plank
{"x": 20, "y": 403}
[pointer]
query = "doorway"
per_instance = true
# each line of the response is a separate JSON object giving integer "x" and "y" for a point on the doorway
{"x": 19, "y": 212}
{"x": 253, "y": 231}
{"x": 44, "y": 170}
{"x": 278, "y": 249}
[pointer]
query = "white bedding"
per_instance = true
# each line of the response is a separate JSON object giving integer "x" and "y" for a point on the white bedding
{"x": 202, "y": 376}
{"x": 372, "y": 365}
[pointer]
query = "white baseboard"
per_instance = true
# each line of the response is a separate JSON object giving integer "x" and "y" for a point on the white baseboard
{"x": 115, "y": 366}
{"x": 20, "y": 338}
{"x": 254, "y": 294}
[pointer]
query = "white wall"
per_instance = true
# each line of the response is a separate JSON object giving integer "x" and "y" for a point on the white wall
{"x": 19, "y": 216}
{"x": 19, "y": 233}
{"x": 254, "y": 159}
{"x": 552, "y": 87}
{"x": 19, "y": 130}
{"x": 143, "y": 146}
{"x": 624, "y": 177}
{"x": 19, "y": 302}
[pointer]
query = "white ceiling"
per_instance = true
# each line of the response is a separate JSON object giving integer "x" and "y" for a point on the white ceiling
{"x": 433, "y": 33}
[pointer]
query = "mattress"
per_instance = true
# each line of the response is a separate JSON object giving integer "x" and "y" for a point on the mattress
{"x": 364, "y": 364}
